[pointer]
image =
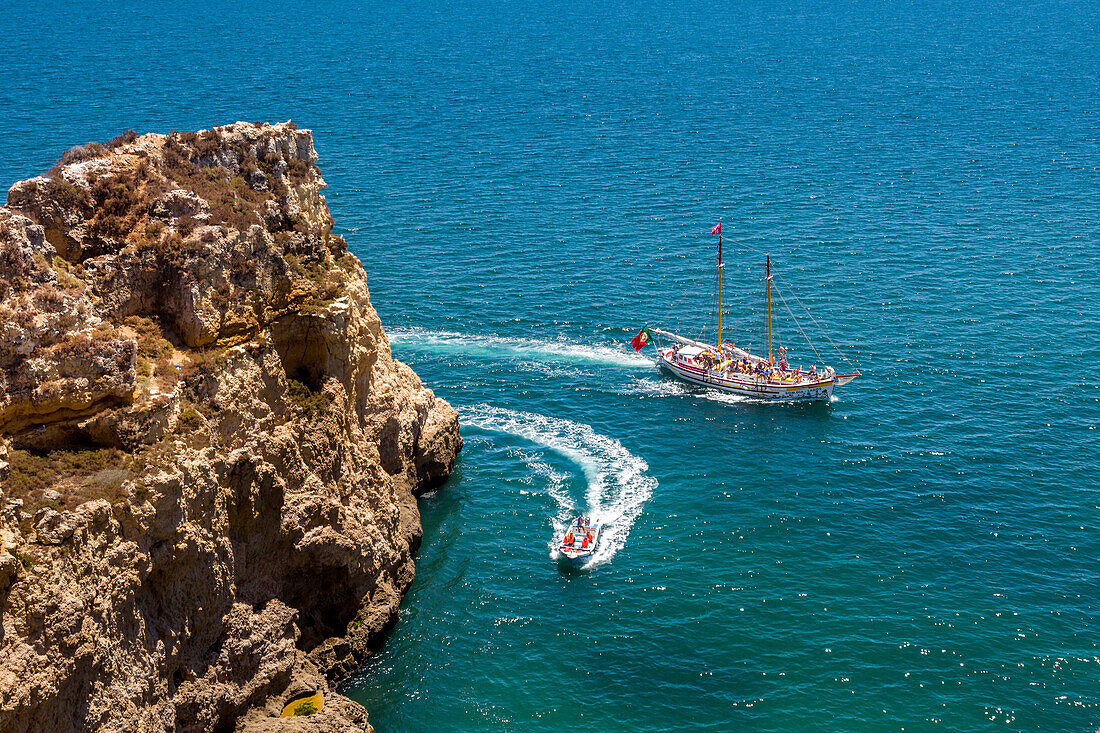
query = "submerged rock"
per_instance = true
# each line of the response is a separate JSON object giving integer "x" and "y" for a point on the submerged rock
{"x": 208, "y": 456}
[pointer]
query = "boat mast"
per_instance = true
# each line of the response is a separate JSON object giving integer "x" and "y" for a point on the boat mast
{"x": 719, "y": 289}
{"x": 768, "y": 299}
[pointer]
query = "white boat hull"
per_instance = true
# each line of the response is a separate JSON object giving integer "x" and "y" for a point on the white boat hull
{"x": 575, "y": 559}
{"x": 749, "y": 385}
{"x": 577, "y": 552}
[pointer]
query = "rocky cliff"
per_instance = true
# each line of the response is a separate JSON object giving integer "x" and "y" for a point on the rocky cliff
{"x": 208, "y": 457}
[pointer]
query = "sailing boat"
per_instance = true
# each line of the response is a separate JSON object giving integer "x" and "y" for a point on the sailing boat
{"x": 729, "y": 368}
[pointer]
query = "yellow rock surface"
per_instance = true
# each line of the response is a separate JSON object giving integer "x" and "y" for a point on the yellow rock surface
{"x": 304, "y": 706}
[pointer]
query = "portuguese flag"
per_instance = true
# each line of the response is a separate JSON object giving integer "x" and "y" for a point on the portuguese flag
{"x": 643, "y": 338}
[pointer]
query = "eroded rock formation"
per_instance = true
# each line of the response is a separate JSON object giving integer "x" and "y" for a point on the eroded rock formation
{"x": 208, "y": 457}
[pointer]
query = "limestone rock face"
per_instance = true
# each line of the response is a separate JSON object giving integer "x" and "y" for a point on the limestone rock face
{"x": 208, "y": 457}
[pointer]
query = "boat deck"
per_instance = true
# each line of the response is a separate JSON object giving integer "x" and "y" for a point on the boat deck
{"x": 580, "y": 539}
{"x": 750, "y": 372}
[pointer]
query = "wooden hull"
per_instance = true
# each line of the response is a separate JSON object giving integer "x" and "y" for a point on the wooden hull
{"x": 748, "y": 386}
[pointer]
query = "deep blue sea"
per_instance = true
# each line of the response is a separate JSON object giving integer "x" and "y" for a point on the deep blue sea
{"x": 528, "y": 184}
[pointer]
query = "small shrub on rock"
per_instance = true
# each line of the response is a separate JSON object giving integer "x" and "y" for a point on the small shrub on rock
{"x": 67, "y": 195}
{"x": 83, "y": 152}
{"x": 297, "y": 168}
{"x": 190, "y": 417}
{"x": 124, "y": 139}
{"x": 305, "y": 708}
{"x": 303, "y": 397}
{"x": 78, "y": 475}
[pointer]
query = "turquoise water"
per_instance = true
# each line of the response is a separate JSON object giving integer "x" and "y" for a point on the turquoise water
{"x": 528, "y": 185}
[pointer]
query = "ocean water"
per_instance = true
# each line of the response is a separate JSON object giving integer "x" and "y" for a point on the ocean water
{"x": 528, "y": 184}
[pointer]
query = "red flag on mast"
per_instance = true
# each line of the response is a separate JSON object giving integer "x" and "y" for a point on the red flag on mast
{"x": 717, "y": 228}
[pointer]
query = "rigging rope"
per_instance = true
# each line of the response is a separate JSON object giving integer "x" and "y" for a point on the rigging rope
{"x": 738, "y": 322}
{"x": 822, "y": 329}
{"x": 797, "y": 324}
{"x": 738, "y": 243}
{"x": 693, "y": 328}
{"x": 678, "y": 305}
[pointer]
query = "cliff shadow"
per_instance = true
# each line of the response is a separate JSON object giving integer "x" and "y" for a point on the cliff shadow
{"x": 303, "y": 349}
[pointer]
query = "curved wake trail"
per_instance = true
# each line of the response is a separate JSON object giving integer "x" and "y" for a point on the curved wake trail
{"x": 556, "y": 482}
{"x": 505, "y": 346}
{"x": 618, "y": 486}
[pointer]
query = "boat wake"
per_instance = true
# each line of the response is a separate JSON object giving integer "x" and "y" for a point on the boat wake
{"x": 657, "y": 387}
{"x": 556, "y": 482}
{"x": 618, "y": 485}
{"x": 561, "y": 350}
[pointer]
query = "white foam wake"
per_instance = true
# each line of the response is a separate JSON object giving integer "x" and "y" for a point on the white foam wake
{"x": 556, "y": 349}
{"x": 556, "y": 482}
{"x": 669, "y": 387}
{"x": 618, "y": 486}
